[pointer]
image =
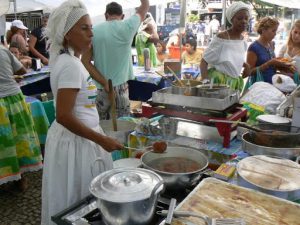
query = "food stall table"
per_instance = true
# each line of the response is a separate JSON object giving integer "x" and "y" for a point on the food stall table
{"x": 36, "y": 82}
{"x": 144, "y": 83}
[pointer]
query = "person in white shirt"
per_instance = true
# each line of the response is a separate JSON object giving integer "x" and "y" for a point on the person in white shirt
{"x": 225, "y": 56}
{"x": 291, "y": 50}
{"x": 75, "y": 139}
{"x": 214, "y": 26}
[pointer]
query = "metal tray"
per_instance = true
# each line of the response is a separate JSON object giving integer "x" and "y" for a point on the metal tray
{"x": 213, "y": 198}
{"x": 198, "y": 99}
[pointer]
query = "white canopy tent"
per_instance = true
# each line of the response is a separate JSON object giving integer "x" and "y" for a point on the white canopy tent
{"x": 7, "y": 6}
{"x": 97, "y": 7}
{"x": 292, "y": 4}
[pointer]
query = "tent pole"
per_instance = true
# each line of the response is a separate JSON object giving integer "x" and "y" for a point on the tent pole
{"x": 223, "y": 22}
{"x": 182, "y": 25}
{"x": 15, "y": 8}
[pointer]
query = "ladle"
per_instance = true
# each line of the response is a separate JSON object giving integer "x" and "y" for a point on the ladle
{"x": 174, "y": 74}
{"x": 268, "y": 138}
{"x": 241, "y": 124}
{"x": 155, "y": 147}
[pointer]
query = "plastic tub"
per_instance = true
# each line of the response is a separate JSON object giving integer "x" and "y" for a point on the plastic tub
{"x": 174, "y": 52}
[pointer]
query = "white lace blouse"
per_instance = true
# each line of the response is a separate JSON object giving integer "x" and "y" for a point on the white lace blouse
{"x": 227, "y": 56}
{"x": 283, "y": 53}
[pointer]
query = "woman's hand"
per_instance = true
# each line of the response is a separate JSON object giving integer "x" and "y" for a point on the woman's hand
{"x": 247, "y": 70}
{"x": 283, "y": 66}
{"x": 109, "y": 144}
{"x": 106, "y": 87}
{"x": 45, "y": 61}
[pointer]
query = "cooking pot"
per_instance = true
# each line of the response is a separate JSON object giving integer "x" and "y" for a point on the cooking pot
{"x": 127, "y": 196}
{"x": 250, "y": 146}
{"x": 275, "y": 135}
{"x": 272, "y": 175}
{"x": 124, "y": 129}
{"x": 214, "y": 91}
{"x": 273, "y": 119}
{"x": 187, "y": 82}
{"x": 177, "y": 180}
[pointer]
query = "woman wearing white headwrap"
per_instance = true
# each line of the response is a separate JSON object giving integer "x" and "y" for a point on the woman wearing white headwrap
{"x": 226, "y": 53}
{"x": 75, "y": 139}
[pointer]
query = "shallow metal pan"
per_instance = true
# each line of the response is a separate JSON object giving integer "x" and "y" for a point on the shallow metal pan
{"x": 249, "y": 146}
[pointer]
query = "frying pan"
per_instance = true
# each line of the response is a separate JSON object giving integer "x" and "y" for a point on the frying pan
{"x": 270, "y": 135}
{"x": 275, "y": 135}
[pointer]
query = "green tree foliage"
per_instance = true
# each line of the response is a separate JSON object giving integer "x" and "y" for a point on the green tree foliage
{"x": 193, "y": 18}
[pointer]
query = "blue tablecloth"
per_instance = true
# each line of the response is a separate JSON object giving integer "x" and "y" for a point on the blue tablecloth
{"x": 41, "y": 122}
{"x": 145, "y": 82}
{"x": 146, "y": 76}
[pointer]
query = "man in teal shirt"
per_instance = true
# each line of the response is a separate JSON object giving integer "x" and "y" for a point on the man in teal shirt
{"x": 111, "y": 53}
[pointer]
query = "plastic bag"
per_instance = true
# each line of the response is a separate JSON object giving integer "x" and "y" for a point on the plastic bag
{"x": 252, "y": 79}
{"x": 264, "y": 94}
{"x": 283, "y": 83}
{"x": 296, "y": 78}
{"x": 253, "y": 111}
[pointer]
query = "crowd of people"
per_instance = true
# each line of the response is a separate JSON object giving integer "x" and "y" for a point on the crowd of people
{"x": 84, "y": 58}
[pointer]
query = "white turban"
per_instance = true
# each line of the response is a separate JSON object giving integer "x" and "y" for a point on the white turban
{"x": 234, "y": 8}
{"x": 61, "y": 20}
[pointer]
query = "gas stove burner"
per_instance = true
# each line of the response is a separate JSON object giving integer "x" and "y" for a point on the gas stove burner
{"x": 94, "y": 217}
{"x": 86, "y": 212}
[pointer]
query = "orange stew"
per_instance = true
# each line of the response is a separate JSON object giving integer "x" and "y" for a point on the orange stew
{"x": 174, "y": 165}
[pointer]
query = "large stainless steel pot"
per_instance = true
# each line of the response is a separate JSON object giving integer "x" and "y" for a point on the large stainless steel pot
{"x": 249, "y": 146}
{"x": 272, "y": 175}
{"x": 177, "y": 180}
{"x": 127, "y": 196}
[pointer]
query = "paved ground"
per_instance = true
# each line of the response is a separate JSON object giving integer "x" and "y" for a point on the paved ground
{"x": 21, "y": 208}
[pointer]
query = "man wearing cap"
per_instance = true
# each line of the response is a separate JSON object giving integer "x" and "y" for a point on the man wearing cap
{"x": 17, "y": 34}
{"x": 37, "y": 41}
{"x": 111, "y": 52}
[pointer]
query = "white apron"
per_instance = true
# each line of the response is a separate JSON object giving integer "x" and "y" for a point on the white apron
{"x": 67, "y": 169}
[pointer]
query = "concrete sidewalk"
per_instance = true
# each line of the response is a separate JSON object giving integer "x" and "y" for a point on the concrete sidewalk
{"x": 21, "y": 208}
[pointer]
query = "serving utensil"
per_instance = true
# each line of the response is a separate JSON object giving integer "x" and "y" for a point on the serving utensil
{"x": 155, "y": 147}
{"x": 174, "y": 74}
{"x": 162, "y": 75}
{"x": 241, "y": 124}
{"x": 208, "y": 220}
{"x": 171, "y": 211}
{"x": 139, "y": 149}
{"x": 113, "y": 105}
{"x": 268, "y": 137}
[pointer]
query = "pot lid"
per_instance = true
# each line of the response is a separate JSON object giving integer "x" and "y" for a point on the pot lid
{"x": 274, "y": 119}
{"x": 271, "y": 173}
{"x": 125, "y": 184}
